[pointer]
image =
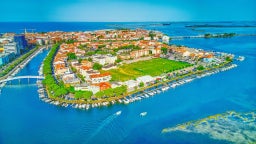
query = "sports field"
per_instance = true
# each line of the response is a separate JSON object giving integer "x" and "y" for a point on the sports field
{"x": 153, "y": 67}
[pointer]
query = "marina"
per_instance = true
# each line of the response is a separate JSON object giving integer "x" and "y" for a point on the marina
{"x": 151, "y": 92}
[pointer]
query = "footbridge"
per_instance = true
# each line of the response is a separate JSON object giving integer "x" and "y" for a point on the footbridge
{"x": 21, "y": 77}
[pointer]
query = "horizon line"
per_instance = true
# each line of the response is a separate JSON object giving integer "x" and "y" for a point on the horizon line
{"x": 125, "y": 21}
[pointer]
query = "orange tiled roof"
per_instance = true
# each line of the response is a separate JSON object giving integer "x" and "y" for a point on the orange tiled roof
{"x": 100, "y": 75}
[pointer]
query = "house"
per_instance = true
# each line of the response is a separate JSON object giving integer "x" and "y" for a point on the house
{"x": 84, "y": 69}
{"x": 139, "y": 53}
{"x": 88, "y": 73}
{"x": 104, "y": 59}
{"x": 85, "y": 87}
{"x": 86, "y": 63}
{"x": 60, "y": 69}
{"x": 98, "y": 78}
{"x": 104, "y": 85}
{"x": 131, "y": 85}
{"x": 99, "y": 59}
{"x": 145, "y": 79}
{"x": 70, "y": 79}
{"x": 208, "y": 58}
{"x": 110, "y": 59}
{"x": 109, "y": 67}
{"x": 116, "y": 84}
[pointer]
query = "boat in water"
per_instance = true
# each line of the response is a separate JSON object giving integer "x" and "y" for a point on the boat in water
{"x": 118, "y": 113}
{"x": 143, "y": 114}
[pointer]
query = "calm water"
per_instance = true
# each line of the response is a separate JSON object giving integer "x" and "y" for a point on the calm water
{"x": 26, "y": 119}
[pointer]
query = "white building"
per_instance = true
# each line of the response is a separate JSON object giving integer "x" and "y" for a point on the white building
{"x": 166, "y": 39}
{"x": 98, "y": 78}
{"x": 104, "y": 59}
{"x": 11, "y": 47}
{"x": 94, "y": 89}
{"x": 110, "y": 59}
{"x": 131, "y": 85}
{"x": 145, "y": 79}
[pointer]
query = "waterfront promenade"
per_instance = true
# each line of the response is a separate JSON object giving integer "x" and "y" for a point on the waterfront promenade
{"x": 22, "y": 64}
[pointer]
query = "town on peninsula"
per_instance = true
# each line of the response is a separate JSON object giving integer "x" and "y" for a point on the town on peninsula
{"x": 100, "y": 68}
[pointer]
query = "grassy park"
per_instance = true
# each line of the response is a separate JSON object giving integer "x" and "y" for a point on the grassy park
{"x": 153, "y": 67}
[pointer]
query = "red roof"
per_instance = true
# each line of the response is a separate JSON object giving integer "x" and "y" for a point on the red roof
{"x": 100, "y": 75}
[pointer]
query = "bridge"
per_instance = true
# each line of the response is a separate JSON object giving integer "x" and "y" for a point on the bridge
{"x": 183, "y": 37}
{"x": 21, "y": 77}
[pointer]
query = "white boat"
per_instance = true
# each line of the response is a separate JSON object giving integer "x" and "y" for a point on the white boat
{"x": 118, "y": 113}
{"x": 143, "y": 114}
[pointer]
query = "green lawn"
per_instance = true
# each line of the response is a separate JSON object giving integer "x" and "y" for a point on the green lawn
{"x": 153, "y": 67}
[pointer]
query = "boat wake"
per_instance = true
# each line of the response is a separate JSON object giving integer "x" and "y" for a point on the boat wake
{"x": 103, "y": 124}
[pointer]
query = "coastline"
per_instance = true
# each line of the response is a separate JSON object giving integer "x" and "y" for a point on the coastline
{"x": 21, "y": 65}
{"x": 133, "y": 96}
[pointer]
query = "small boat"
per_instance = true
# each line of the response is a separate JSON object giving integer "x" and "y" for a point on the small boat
{"x": 143, "y": 114}
{"x": 118, "y": 113}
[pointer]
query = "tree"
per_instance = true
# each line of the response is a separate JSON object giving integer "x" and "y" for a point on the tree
{"x": 97, "y": 66}
{"x": 164, "y": 50}
{"x": 83, "y": 94}
{"x": 141, "y": 84}
{"x": 200, "y": 67}
{"x": 79, "y": 60}
{"x": 152, "y": 35}
{"x": 71, "y": 56}
{"x": 229, "y": 59}
{"x": 118, "y": 60}
{"x": 90, "y": 59}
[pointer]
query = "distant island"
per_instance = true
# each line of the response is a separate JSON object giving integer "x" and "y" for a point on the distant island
{"x": 219, "y": 26}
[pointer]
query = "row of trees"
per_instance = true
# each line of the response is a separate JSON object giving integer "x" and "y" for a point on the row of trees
{"x": 17, "y": 61}
{"x": 111, "y": 92}
{"x": 55, "y": 89}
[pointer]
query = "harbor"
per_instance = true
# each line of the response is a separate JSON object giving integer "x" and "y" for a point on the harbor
{"x": 148, "y": 93}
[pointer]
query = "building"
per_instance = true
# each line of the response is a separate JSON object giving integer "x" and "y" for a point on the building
{"x": 12, "y": 48}
{"x": 131, "y": 85}
{"x": 21, "y": 42}
{"x": 6, "y": 58}
{"x": 70, "y": 79}
{"x": 145, "y": 79}
{"x": 166, "y": 39}
{"x": 98, "y": 78}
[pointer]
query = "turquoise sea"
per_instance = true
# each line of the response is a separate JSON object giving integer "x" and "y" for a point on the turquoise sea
{"x": 26, "y": 119}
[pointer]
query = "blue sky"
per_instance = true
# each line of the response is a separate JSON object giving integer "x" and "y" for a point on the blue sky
{"x": 128, "y": 10}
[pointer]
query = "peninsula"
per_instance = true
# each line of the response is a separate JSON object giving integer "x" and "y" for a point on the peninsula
{"x": 98, "y": 68}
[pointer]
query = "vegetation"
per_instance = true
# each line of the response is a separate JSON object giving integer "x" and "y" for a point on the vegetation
{"x": 118, "y": 60}
{"x": 141, "y": 84}
{"x": 71, "y": 56}
{"x": 55, "y": 89}
{"x": 225, "y": 35}
{"x": 97, "y": 66}
{"x": 200, "y": 67}
{"x": 229, "y": 59}
{"x": 152, "y": 35}
{"x": 111, "y": 92}
{"x": 83, "y": 95}
{"x": 153, "y": 67}
{"x": 164, "y": 50}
